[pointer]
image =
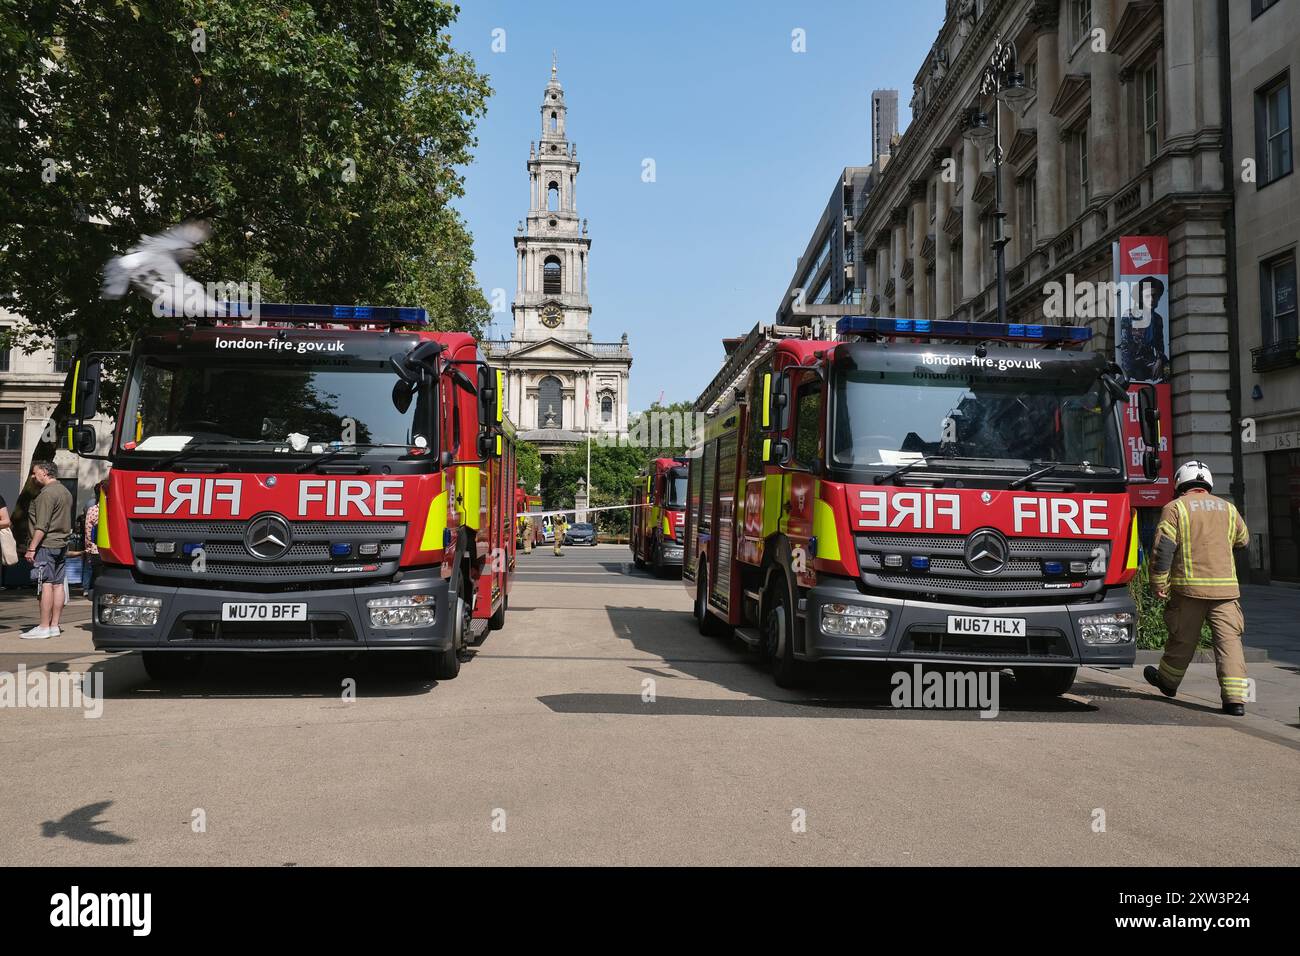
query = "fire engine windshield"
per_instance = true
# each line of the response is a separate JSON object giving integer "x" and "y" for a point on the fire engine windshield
{"x": 676, "y": 490}
{"x": 188, "y": 401}
{"x": 887, "y": 419}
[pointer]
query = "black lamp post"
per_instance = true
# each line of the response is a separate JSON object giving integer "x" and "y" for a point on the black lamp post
{"x": 1006, "y": 84}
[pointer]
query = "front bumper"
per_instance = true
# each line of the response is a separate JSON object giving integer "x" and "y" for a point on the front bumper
{"x": 337, "y": 618}
{"x": 918, "y": 631}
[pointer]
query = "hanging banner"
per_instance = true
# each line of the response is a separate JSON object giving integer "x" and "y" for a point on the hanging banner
{"x": 1162, "y": 491}
{"x": 1141, "y": 271}
{"x": 1141, "y": 274}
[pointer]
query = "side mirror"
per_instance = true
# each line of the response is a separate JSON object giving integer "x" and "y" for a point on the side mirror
{"x": 1151, "y": 464}
{"x": 1149, "y": 416}
{"x": 83, "y": 397}
{"x": 486, "y": 388}
{"x": 776, "y": 451}
{"x": 403, "y": 392}
{"x": 776, "y": 402}
{"x": 84, "y": 439}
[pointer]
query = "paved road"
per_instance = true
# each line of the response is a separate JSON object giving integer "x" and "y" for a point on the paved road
{"x": 547, "y": 729}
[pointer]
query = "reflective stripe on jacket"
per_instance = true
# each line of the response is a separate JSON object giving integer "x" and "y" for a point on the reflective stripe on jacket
{"x": 1193, "y": 549}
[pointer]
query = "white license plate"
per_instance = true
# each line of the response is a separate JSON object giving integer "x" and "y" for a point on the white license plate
{"x": 263, "y": 611}
{"x": 995, "y": 626}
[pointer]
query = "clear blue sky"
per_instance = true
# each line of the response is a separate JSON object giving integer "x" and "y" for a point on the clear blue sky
{"x": 748, "y": 138}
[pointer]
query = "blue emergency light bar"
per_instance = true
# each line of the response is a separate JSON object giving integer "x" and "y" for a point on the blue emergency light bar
{"x": 337, "y": 314}
{"x": 948, "y": 329}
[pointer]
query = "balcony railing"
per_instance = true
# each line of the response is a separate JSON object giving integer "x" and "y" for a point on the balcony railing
{"x": 1270, "y": 358}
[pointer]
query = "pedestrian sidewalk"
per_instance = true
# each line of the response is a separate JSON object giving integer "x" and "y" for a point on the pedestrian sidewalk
{"x": 19, "y": 610}
{"x": 1272, "y": 645}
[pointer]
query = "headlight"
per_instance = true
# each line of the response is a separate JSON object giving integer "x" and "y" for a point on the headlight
{"x": 1107, "y": 628}
{"x": 850, "y": 620}
{"x": 414, "y": 610}
{"x": 128, "y": 610}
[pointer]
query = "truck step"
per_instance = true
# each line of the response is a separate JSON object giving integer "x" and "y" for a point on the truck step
{"x": 750, "y": 636}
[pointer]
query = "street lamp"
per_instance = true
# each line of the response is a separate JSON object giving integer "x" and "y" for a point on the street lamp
{"x": 1002, "y": 81}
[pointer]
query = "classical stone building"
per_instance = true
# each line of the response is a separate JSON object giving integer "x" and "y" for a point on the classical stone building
{"x": 1122, "y": 134}
{"x": 561, "y": 384}
{"x": 1264, "y": 60}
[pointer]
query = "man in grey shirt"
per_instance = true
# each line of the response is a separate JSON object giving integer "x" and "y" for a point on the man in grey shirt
{"x": 50, "y": 520}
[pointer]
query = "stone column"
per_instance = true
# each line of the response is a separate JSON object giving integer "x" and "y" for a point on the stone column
{"x": 920, "y": 226}
{"x": 971, "y": 247}
{"x": 584, "y": 272}
{"x": 1103, "y": 124}
{"x": 1180, "y": 69}
{"x": 882, "y": 276}
{"x": 1044, "y": 15}
{"x": 898, "y": 256}
{"x": 942, "y": 244}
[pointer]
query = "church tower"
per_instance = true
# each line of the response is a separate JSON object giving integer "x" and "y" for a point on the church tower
{"x": 562, "y": 386}
{"x": 552, "y": 248}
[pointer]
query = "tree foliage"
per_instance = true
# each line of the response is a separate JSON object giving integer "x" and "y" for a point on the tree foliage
{"x": 321, "y": 139}
{"x": 529, "y": 463}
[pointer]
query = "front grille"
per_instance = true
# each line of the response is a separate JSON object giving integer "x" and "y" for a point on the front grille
{"x": 326, "y": 629}
{"x": 308, "y": 559}
{"x": 948, "y": 574}
{"x": 1037, "y": 644}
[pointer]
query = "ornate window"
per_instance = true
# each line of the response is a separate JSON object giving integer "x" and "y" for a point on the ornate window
{"x": 550, "y": 403}
{"x": 553, "y": 197}
{"x": 606, "y": 408}
{"x": 551, "y": 284}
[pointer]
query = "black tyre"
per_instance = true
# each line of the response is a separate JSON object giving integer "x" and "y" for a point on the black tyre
{"x": 778, "y": 636}
{"x": 445, "y": 664}
{"x": 1044, "y": 681}
{"x": 165, "y": 666}
{"x": 707, "y": 622}
{"x": 498, "y": 618}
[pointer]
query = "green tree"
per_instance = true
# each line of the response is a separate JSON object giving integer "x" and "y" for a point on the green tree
{"x": 613, "y": 470}
{"x": 529, "y": 461}
{"x": 321, "y": 139}
{"x": 664, "y": 431}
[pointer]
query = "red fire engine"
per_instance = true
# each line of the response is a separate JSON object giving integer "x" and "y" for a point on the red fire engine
{"x": 658, "y": 508}
{"x": 335, "y": 478}
{"x": 918, "y": 491}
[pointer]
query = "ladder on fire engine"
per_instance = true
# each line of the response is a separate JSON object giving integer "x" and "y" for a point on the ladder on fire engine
{"x": 751, "y": 350}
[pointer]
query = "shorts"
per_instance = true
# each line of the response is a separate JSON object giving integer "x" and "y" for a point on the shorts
{"x": 50, "y": 566}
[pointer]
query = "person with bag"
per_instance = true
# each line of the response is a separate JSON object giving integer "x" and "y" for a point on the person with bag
{"x": 8, "y": 545}
{"x": 50, "y": 520}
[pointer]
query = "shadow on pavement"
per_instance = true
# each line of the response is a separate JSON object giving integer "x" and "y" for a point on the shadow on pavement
{"x": 840, "y": 690}
{"x": 269, "y": 675}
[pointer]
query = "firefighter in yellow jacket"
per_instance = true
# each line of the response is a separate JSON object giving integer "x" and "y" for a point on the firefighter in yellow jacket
{"x": 1192, "y": 565}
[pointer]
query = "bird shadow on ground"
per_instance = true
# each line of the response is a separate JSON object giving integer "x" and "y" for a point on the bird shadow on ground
{"x": 82, "y": 826}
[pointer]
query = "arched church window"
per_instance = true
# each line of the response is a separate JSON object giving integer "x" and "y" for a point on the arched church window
{"x": 553, "y": 197}
{"x": 555, "y": 122}
{"x": 606, "y": 408}
{"x": 550, "y": 403}
{"x": 551, "y": 276}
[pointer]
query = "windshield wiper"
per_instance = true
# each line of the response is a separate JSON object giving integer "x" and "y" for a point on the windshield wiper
{"x": 189, "y": 451}
{"x": 1048, "y": 469}
{"x": 900, "y": 471}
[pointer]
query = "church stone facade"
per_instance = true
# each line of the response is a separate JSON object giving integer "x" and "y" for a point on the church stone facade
{"x": 562, "y": 385}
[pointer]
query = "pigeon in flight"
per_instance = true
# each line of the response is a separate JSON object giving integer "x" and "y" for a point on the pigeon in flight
{"x": 153, "y": 266}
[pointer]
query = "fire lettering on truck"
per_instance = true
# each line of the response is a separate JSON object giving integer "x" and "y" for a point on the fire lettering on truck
{"x": 922, "y": 509}
{"x": 341, "y": 497}
{"x": 199, "y": 494}
{"x": 1054, "y": 516}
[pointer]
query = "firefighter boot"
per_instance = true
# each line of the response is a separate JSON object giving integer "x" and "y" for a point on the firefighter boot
{"x": 1153, "y": 678}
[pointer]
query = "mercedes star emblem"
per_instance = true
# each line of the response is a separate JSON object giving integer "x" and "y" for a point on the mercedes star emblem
{"x": 267, "y": 537}
{"x": 986, "y": 551}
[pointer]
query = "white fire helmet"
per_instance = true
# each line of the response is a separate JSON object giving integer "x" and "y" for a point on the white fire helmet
{"x": 1192, "y": 473}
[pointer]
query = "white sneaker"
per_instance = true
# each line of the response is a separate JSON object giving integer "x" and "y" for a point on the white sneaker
{"x": 55, "y": 631}
{"x": 37, "y": 634}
